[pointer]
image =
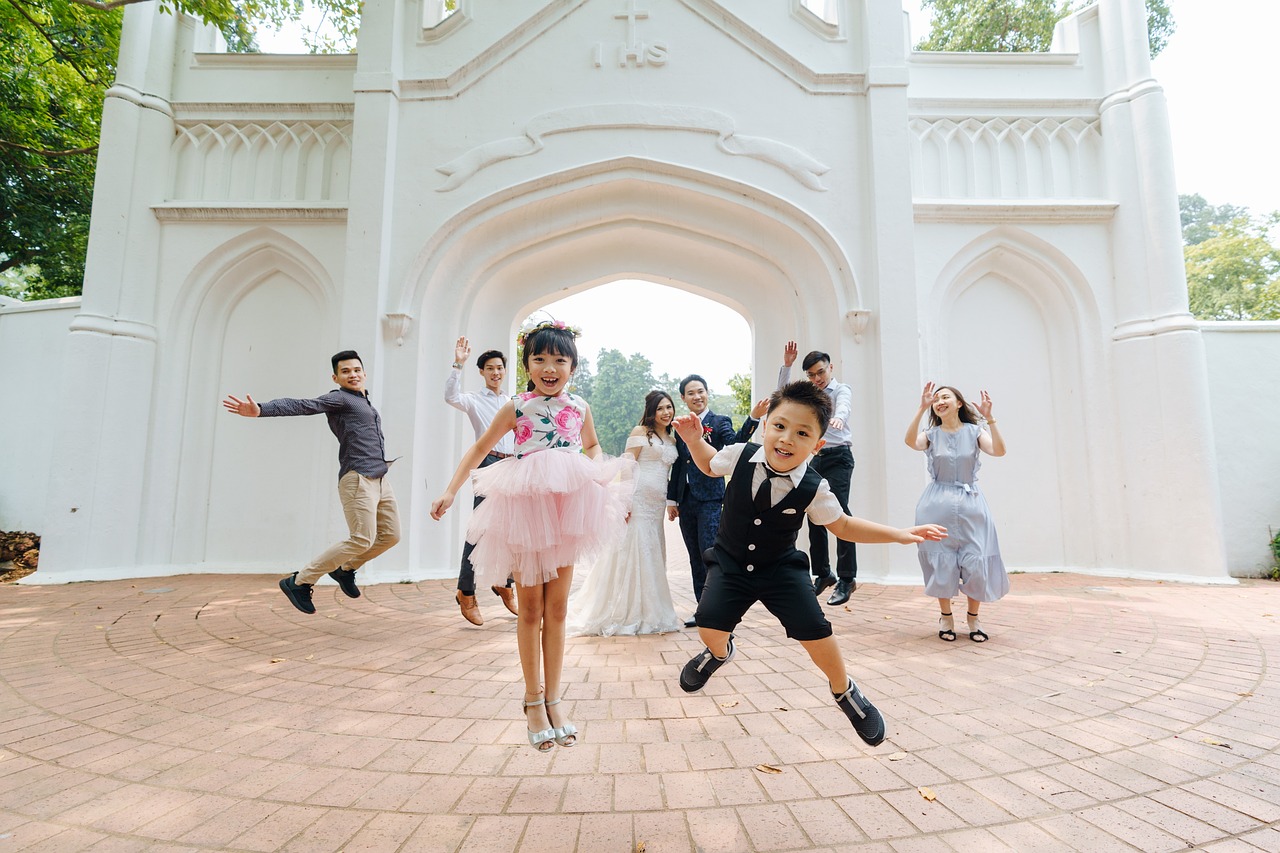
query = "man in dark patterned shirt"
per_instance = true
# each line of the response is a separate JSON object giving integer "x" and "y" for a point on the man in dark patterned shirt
{"x": 367, "y": 499}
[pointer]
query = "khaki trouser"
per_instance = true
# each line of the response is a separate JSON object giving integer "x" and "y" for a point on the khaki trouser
{"x": 372, "y": 518}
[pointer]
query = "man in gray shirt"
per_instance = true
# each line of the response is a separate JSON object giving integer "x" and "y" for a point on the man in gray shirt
{"x": 368, "y": 503}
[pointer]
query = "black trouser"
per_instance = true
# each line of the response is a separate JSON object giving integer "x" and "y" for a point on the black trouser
{"x": 835, "y": 464}
{"x": 467, "y": 574}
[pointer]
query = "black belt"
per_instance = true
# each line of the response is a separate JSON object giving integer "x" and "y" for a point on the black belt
{"x": 496, "y": 455}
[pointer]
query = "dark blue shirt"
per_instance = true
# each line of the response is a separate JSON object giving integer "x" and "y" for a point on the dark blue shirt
{"x": 352, "y": 418}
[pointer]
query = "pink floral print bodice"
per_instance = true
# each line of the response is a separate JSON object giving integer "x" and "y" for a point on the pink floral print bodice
{"x": 548, "y": 423}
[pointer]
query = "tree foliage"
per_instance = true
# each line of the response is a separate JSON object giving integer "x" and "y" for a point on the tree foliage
{"x": 1235, "y": 273}
{"x": 58, "y": 59}
{"x": 1201, "y": 219}
{"x": 989, "y": 26}
{"x": 617, "y": 396}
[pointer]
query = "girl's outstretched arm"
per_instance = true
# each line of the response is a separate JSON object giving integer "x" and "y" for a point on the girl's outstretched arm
{"x": 916, "y": 439}
{"x": 852, "y": 529}
{"x": 590, "y": 441}
{"x": 989, "y": 440}
{"x": 503, "y": 422}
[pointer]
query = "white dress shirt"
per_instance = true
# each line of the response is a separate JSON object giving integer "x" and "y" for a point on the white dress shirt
{"x": 480, "y": 407}
{"x": 823, "y": 509}
{"x": 841, "y": 407}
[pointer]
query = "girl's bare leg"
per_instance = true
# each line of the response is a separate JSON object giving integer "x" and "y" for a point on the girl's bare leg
{"x": 973, "y": 606}
{"x": 529, "y": 641}
{"x": 555, "y": 604}
{"x": 945, "y": 605}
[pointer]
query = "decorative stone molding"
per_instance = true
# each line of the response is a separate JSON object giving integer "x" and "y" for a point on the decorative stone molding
{"x": 1006, "y": 157}
{"x": 258, "y": 161}
{"x": 398, "y": 326}
{"x": 1152, "y": 326}
{"x": 793, "y": 161}
{"x": 1049, "y": 210}
{"x": 140, "y": 99}
{"x": 858, "y": 319}
{"x": 249, "y": 213}
{"x": 113, "y": 326}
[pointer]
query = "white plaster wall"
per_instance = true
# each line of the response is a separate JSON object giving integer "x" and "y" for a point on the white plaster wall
{"x": 1244, "y": 389}
{"x": 33, "y": 338}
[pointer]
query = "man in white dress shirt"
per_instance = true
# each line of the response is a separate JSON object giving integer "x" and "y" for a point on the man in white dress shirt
{"x": 835, "y": 463}
{"x": 480, "y": 408}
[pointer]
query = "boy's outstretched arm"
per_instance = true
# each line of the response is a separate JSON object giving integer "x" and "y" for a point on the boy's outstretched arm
{"x": 690, "y": 429}
{"x": 852, "y": 529}
{"x": 245, "y": 408}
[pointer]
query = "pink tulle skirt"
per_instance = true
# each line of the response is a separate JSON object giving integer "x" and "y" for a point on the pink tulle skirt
{"x": 546, "y": 510}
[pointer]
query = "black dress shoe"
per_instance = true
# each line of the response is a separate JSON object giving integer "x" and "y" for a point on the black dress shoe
{"x": 842, "y": 592}
{"x": 824, "y": 583}
{"x": 691, "y": 623}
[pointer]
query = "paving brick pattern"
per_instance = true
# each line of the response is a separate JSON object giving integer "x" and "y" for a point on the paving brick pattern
{"x": 204, "y": 713}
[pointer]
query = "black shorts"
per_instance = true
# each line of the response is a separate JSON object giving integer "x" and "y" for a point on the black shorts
{"x": 784, "y": 589}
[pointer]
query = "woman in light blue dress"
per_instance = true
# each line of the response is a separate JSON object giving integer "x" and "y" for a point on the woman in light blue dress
{"x": 968, "y": 560}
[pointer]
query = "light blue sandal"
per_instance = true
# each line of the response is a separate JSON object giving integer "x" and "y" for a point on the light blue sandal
{"x": 543, "y": 740}
{"x": 566, "y": 735}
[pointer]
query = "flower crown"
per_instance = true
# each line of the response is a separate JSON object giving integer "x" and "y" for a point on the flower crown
{"x": 529, "y": 328}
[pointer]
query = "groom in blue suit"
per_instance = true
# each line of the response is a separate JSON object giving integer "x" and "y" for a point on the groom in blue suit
{"x": 692, "y": 495}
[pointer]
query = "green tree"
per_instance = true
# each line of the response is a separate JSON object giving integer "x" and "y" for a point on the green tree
{"x": 1235, "y": 274}
{"x": 1201, "y": 219}
{"x": 59, "y": 59}
{"x": 988, "y": 26}
{"x": 740, "y": 387}
{"x": 617, "y": 396}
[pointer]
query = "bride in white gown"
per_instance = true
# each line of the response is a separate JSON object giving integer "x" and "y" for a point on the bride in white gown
{"x": 626, "y": 592}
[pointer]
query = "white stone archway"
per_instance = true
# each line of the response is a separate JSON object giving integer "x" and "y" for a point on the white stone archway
{"x": 628, "y": 218}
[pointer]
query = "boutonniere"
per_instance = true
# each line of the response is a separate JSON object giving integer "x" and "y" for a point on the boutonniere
{"x": 706, "y": 432}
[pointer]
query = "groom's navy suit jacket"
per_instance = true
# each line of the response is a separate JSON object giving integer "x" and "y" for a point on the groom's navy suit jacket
{"x": 687, "y": 480}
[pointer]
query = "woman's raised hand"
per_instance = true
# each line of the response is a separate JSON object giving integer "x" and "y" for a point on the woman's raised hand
{"x": 926, "y": 396}
{"x": 984, "y": 407}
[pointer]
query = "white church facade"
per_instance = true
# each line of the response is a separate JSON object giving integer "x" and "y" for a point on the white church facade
{"x": 1006, "y": 222}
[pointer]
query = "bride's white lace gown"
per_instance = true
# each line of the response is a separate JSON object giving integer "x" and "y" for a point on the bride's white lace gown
{"x": 626, "y": 591}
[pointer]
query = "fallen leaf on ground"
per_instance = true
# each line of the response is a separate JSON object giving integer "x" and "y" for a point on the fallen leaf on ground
{"x": 768, "y": 768}
{"x": 233, "y": 638}
{"x": 1215, "y": 742}
{"x": 640, "y": 845}
{"x": 927, "y": 793}
{"x": 277, "y": 660}
{"x": 888, "y": 617}
{"x": 1244, "y": 694}
{"x": 847, "y": 609}
{"x": 311, "y": 657}
{"x": 732, "y": 704}
{"x": 897, "y": 756}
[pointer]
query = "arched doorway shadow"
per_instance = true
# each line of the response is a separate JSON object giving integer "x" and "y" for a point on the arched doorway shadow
{"x": 504, "y": 257}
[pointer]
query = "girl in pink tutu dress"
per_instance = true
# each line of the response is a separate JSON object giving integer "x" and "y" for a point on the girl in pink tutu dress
{"x": 554, "y": 502}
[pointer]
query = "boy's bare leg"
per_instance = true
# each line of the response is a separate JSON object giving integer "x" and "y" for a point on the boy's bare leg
{"x": 716, "y": 641}
{"x": 826, "y": 655}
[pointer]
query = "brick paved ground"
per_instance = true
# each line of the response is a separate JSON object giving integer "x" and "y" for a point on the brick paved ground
{"x": 204, "y": 713}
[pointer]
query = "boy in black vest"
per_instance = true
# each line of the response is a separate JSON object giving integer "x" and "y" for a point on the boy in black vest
{"x": 755, "y": 558}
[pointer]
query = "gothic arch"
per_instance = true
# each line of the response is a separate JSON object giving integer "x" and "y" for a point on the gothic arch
{"x": 496, "y": 260}
{"x": 1055, "y": 406}
{"x": 192, "y": 359}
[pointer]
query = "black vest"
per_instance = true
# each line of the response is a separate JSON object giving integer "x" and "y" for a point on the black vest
{"x": 757, "y": 540}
